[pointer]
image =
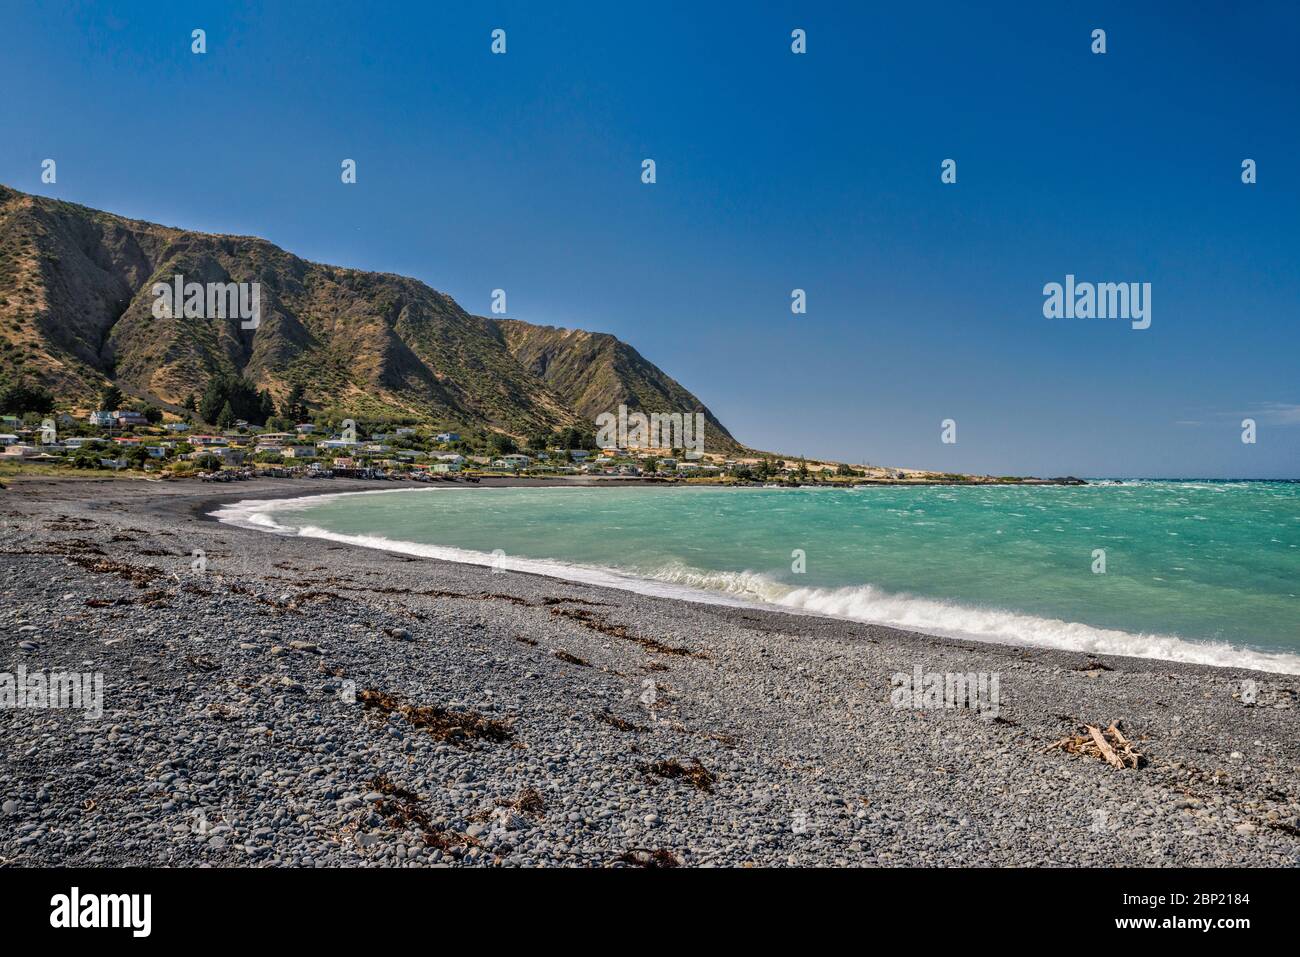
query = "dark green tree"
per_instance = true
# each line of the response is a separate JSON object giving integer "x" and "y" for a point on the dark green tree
{"x": 110, "y": 399}
{"x": 241, "y": 395}
{"x": 295, "y": 405}
{"x": 20, "y": 397}
{"x": 136, "y": 456}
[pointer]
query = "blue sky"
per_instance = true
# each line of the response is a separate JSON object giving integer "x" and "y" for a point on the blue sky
{"x": 775, "y": 172}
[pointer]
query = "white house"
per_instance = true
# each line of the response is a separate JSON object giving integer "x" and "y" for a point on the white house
{"x": 177, "y": 426}
{"x": 514, "y": 461}
{"x": 103, "y": 420}
{"x": 447, "y": 437}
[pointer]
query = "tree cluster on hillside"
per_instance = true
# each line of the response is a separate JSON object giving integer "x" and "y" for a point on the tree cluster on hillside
{"x": 570, "y": 438}
{"x": 17, "y": 398}
{"x": 229, "y": 398}
{"x": 295, "y": 406}
{"x": 111, "y": 399}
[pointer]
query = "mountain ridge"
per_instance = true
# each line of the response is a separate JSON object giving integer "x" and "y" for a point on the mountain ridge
{"x": 76, "y": 314}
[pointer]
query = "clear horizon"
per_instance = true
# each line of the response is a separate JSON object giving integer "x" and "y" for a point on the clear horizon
{"x": 775, "y": 171}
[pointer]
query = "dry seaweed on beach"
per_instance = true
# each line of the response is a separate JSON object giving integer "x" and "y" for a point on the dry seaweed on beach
{"x": 528, "y": 801}
{"x": 614, "y": 721}
{"x": 381, "y": 783}
{"x": 137, "y": 575}
{"x": 573, "y": 601}
{"x": 443, "y": 724}
{"x": 152, "y": 599}
{"x": 598, "y": 623}
{"x": 697, "y": 774}
{"x": 571, "y": 658}
{"x": 1109, "y": 745}
{"x": 644, "y": 857}
{"x": 71, "y": 546}
{"x": 401, "y": 808}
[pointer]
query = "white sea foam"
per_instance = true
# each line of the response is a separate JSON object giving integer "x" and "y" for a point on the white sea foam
{"x": 930, "y": 616}
{"x": 865, "y": 603}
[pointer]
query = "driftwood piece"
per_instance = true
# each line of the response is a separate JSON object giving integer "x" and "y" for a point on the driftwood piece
{"x": 1106, "y": 750}
{"x": 1110, "y": 746}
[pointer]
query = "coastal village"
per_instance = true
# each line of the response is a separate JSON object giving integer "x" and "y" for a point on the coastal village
{"x": 235, "y": 432}
{"x": 168, "y": 446}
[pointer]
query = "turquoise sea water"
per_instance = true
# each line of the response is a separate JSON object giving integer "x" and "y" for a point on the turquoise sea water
{"x": 1197, "y": 571}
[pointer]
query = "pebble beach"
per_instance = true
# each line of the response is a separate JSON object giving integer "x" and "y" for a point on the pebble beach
{"x": 295, "y": 702}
